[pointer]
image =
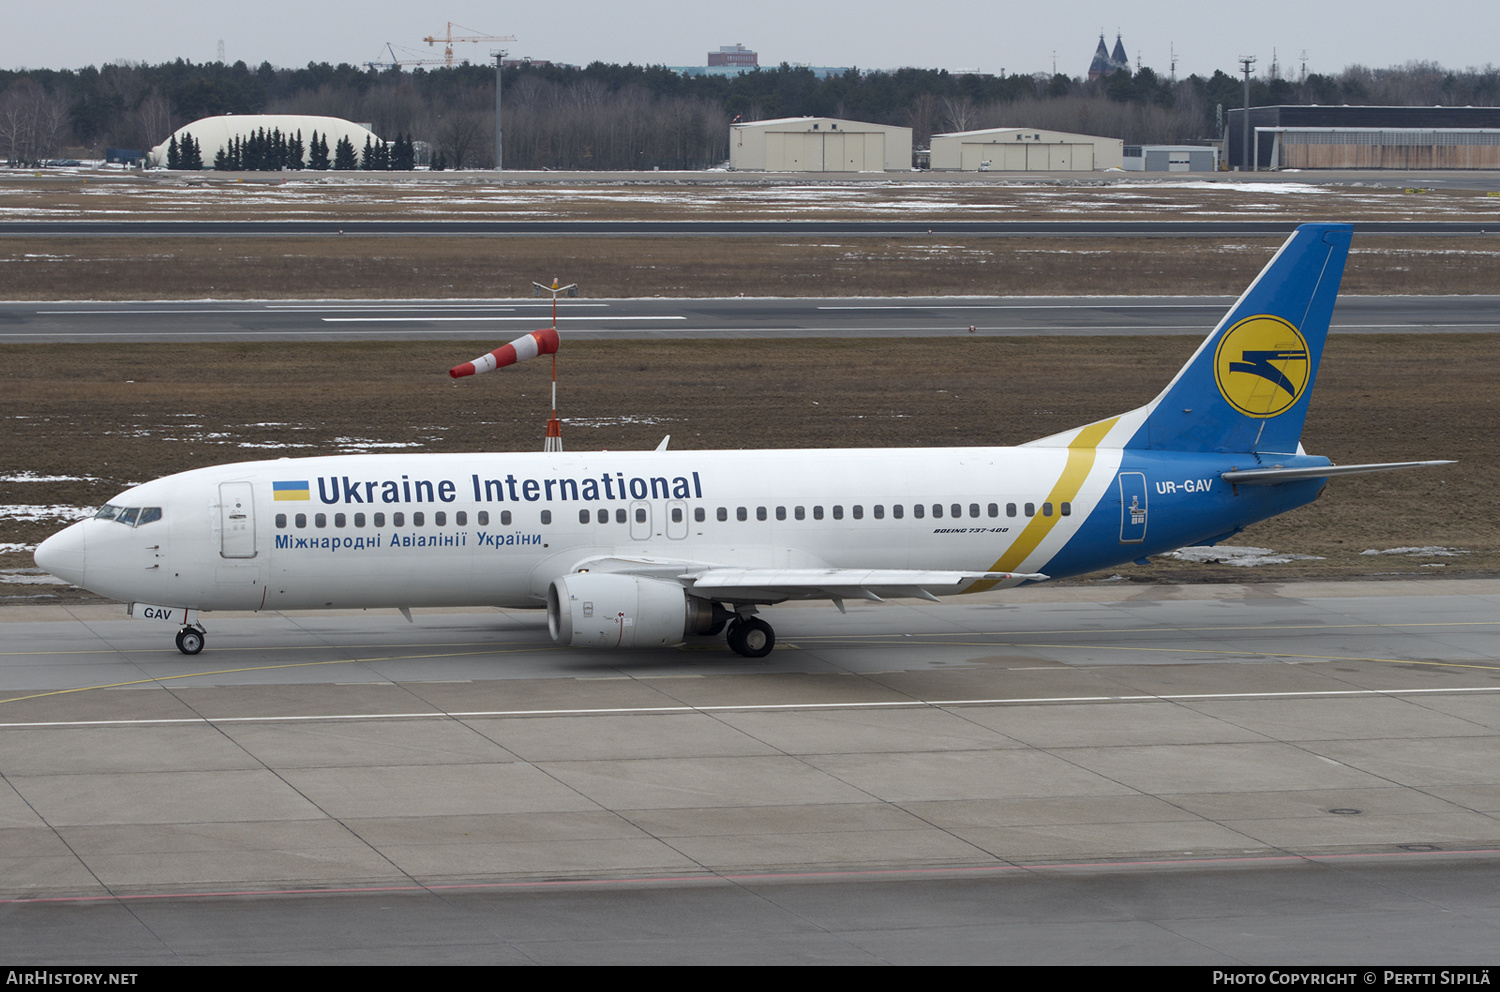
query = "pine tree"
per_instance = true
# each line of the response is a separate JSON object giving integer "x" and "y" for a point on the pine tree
{"x": 191, "y": 155}
{"x": 343, "y": 155}
{"x": 367, "y": 159}
{"x": 294, "y": 152}
{"x": 174, "y": 161}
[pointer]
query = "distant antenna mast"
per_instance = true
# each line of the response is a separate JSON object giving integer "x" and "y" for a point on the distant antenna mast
{"x": 1246, "y": 61}
{"x": 1303, "y": 78}
{"x": 1172, "y": 60}
{"x": 221, "y": 51}
{"x": 554, "y": 426}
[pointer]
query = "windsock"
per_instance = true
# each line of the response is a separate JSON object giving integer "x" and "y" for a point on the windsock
{"x": 543, "y": 342}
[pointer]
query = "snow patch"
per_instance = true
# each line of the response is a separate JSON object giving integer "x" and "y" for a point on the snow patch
{"x": 1228, "y": 554}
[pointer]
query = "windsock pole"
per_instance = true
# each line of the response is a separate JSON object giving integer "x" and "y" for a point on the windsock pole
{"x": 554, "y": 426}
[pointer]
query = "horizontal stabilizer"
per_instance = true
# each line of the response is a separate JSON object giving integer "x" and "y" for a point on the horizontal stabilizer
{"x": 1276, "y": 475}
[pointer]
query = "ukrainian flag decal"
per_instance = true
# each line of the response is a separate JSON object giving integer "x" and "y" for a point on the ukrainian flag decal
{"x": 296, "y": 489}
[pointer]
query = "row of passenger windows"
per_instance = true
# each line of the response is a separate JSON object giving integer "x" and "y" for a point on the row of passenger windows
{"x": 418, "y": 519}
{"x": 857, "y": 511}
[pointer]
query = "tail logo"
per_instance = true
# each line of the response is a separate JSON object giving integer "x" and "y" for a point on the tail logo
{"x": 1262, "y": 366}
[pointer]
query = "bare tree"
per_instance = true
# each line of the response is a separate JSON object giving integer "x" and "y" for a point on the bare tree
{"x": 960, "y": 113}
{"x": 33, "y": 123}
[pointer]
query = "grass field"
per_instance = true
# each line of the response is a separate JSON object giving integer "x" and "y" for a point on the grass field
{"x": 124, "y": 414}
{"x": 334, "y": 267}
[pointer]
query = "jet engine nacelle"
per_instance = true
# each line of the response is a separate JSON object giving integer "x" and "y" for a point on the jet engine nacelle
{"x": 609, "y": 610}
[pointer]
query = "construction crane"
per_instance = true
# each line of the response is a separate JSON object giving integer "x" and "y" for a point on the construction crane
{"x": 396, "y": 62}
{"x": 449, "y": 38}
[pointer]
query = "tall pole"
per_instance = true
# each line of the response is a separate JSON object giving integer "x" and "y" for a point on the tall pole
{"x": 1245, "y": 63}
{"x": 499, "y": 160}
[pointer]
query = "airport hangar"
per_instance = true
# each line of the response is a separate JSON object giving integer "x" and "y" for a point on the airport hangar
{"x": 1318, "y": 137}
{"x": 819, "y": 144}
{"x": 1025, "y": 149}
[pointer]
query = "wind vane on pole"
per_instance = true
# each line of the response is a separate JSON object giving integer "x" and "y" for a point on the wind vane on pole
{"x": 542, "y": 342}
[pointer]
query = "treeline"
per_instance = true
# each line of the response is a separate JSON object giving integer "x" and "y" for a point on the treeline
{"x": 273, "y": 152}
{"x": 637, "y": 117}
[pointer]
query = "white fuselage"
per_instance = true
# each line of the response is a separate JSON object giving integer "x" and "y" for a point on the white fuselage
{"x": 495, "y": 529}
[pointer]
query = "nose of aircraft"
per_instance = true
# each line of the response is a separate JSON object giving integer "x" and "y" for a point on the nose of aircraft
{"x": 62, "y": 554}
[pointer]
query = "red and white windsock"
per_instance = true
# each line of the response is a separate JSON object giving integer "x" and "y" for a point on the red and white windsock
{"x": 543, "y": 342}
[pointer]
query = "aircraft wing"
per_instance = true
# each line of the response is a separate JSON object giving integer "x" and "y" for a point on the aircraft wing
{"x": 773, "y": 585}
{"x": 837, "y": 584}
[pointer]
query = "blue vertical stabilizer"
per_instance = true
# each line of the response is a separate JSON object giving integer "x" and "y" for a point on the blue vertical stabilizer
{"x": 1247, "y": 387}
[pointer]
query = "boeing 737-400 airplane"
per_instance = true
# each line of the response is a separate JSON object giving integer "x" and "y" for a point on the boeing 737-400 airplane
{"x": 646, "y": 549}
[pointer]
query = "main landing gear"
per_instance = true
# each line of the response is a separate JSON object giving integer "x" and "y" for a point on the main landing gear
{"x": 190, "y": 639}
{"x": 751, "y": 637}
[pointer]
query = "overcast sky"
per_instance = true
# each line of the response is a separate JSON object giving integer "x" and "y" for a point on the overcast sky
{"x": 875, "y": 34}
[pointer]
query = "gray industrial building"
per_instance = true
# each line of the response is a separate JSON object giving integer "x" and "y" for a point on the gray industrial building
{"x": 818, "y": 144}
{"x": 1171, "y": 158}
{"x": 1025, "y": 149}
{"x": 1318, "y": 137}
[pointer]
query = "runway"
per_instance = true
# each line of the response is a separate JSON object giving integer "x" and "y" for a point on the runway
{"x": 1098, "y": 773}
{"x": 374, "y": 320}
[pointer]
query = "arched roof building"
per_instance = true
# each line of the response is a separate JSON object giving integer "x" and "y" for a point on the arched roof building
{"x": 215, "y": 133}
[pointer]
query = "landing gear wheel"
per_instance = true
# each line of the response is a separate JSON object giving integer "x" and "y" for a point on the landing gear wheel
{"x": 190, "y": 640}
{"x": 751, "y": 637}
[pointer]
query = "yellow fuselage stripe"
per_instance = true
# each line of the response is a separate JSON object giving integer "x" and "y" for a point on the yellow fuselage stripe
{"x": 1081, "y": 453}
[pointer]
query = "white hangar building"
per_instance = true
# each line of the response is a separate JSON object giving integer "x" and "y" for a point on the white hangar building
{"x": 818, "y": 144}
{"x": 1025, "y": 149}
{"x": 215, "y": 133}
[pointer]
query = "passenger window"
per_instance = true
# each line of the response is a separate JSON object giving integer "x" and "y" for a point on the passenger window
{"x": 417, "y": 519}
{"x": 320, "y": 520}
{"x": 602, "y": 516}
{"x": 937, "y": 511}
{"x": 677, "y": 514}
{"x": 546, "y": 516}
{"x": 483, "y": 516}
{"x": 817, "y": 513}
{"x": 620, "y": 515}
{"x": 461, "y": 518}
{"x": 379, "y": 520}
{"x": 1067, "y": 509}
{"x": 760, "y": 513}
{"x": 973, "y": 509}
{"x": 800, "y": 513}
{"x": 838, "y": 512}
{"x": 339, "y": 520}
{"x": 640, "y": 514}
{"x": 504, "y": 518}
{"x": 898, "y": 511}
{"x": 1046, "y": 509}
{"x": 994, "y": 509}
{"x": 398, "y": 520}
{"x": 698, "y": 514}
{"x": 722, "y": 514}
{"x": 1010, "y": 509}
{"x": 741, "y": 514}
{"x": 918, "y": 510}
{"x": 281, "y": 521}
{"x": 1031, "y": 509}
{"x": 583, "y": 516}
{"x": 440, "y": 519}
{"x": 781, "y": 513}
{"x": 956, "y": 511}
{"x": 359, "y": 520}
{"x": 879, "y": 512}
{"x": 300, "y": 520}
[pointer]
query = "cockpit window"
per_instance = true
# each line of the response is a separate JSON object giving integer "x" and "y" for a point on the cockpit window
{"x": 131, "y": 516}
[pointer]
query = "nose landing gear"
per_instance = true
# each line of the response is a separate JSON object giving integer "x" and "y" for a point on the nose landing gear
{"x": 190, "y": 639}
